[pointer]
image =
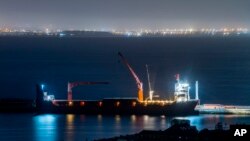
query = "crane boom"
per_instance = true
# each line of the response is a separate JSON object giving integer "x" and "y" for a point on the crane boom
{"x": 138, "y": 81}
{"x": 71, "y": 85}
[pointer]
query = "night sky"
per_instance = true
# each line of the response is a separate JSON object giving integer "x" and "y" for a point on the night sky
{"x": 124, "y": 14}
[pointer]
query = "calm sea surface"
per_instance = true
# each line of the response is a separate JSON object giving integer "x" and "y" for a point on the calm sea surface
{"x": 50, "y": 127}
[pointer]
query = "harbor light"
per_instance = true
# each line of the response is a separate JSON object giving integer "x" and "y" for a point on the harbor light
{"x": 50, "y": 97}
{"x": 118, "y": 103}
{"x": 70, "y": 103}
{"x": 82, "y": 103}
{"x": 134, "y": 104}
{"x": 42, "y": 86}
{"x": 100, "y": 104}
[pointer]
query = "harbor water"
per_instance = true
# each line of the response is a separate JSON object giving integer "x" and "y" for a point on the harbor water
{"x": 52, "y": 127}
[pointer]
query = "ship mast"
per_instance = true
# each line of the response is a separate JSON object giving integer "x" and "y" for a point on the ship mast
{"x": 149, "y": 85}
{"x": 196, "y": 92}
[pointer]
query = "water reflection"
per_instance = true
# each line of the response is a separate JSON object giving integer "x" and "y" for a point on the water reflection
{"x": 117, "y": 124}
{"x": 117, "y": 118}
{"x": 100, "y": 123}
{"x": 133, "y": 118}
{"x": 45, "y": 127}
{"x": 70, "y": 127}
{"x": 52, "y": 127}
{"x": 149, "y": 122}
{"x": 99, "y": 118}
{"x": 70, "y": 118}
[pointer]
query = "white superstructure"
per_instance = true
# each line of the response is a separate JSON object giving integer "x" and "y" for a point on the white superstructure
{"x": 182, "y": 90}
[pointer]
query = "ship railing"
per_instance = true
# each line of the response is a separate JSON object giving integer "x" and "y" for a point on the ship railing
{"x": 160, "y": 102}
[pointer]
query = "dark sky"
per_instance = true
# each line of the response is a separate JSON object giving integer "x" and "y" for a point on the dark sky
{"x": 125, "y": 14}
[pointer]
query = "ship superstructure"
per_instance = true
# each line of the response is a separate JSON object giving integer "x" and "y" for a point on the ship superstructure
{"x": 181, "y": 90}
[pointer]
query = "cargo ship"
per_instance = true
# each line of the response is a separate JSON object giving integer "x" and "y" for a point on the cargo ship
{"x": 181, "y": 104}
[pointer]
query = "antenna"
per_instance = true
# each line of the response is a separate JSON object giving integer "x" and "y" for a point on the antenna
{"x": 196, "y": 90}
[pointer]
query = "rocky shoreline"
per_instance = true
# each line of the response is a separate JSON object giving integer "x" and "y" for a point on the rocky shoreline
{"x": 181, "y": 130}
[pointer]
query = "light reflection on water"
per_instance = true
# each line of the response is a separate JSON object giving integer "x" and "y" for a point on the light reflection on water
{"x": 50, "y": 127}
{"x": 45, "y": 127}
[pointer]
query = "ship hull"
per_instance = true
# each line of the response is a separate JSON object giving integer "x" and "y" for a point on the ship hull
{"x": 113, "y": 106}
{"x": 119, "y": 106}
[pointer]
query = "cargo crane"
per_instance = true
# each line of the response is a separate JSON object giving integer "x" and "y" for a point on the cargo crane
{"x": 149, "y": 85}
{"x": 138, "y": 81}
{"x": 71, "y": 85}
{"x": 151, "y": 92}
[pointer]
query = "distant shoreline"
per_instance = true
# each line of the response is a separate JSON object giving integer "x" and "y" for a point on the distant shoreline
{"x": 96, "y": 34}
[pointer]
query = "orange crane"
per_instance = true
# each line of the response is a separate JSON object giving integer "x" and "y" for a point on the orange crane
{"x": 74, "y": 84}
{"x": 138, "y": 81}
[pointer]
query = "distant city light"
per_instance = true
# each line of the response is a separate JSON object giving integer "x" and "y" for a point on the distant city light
{"x": 130, "y": 33}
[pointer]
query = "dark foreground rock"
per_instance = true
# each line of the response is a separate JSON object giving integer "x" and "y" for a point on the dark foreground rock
{"x": 181, "y": 130}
